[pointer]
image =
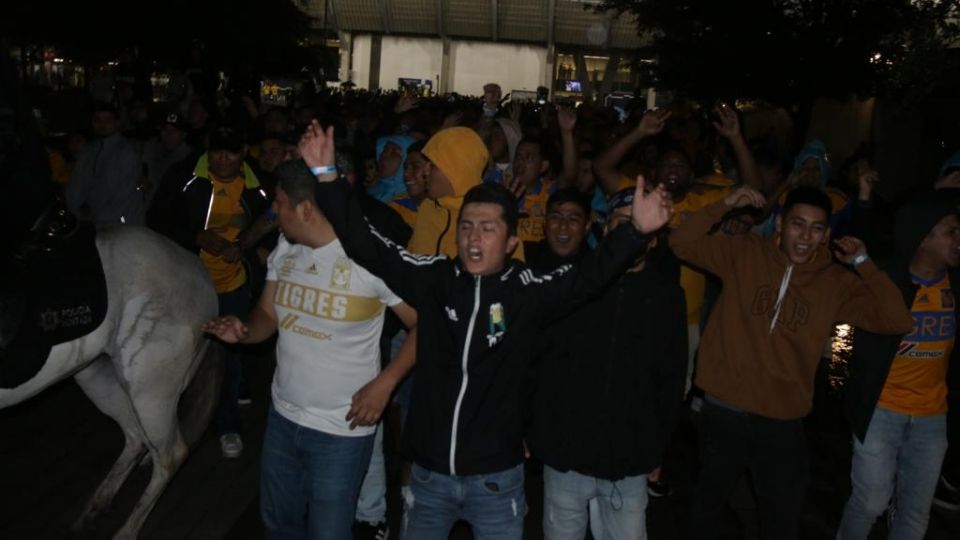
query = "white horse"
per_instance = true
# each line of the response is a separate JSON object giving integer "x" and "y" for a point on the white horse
{"x": 136, "y": 365}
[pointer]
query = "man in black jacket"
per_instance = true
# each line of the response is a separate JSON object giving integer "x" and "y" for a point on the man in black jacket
{"x": 896, "y": 398}
{"x": 609, "y": 386}
{"x": 480, "y": 315}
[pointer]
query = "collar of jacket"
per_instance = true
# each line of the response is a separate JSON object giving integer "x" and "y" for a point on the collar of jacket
{"x": 202, "y": 170}
{"x": 510, "y": 268}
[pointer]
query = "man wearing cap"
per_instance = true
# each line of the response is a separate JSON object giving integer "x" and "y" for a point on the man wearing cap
{"x": 216, "y": 203}
{"x": 162, "y": 152}
{"x": 896, "y": 398}
{"x": 105, "y": 184}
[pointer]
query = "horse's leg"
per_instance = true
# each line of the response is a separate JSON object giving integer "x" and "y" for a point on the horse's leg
{"x": 156, "y": 375}
{"x": 99, "y": 381}
{"x": 158, "y": 417}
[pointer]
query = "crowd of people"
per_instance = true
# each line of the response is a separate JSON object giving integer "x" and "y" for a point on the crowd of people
{"x": 560, "y": 284}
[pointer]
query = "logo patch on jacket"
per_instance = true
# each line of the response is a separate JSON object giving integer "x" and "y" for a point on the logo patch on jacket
{"x": 451, "y": 314}
{"x": 497, "y": 324}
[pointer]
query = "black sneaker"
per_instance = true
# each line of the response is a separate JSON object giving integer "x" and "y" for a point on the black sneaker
{"x": 947, "y": 496}
{"x": 371, "y": 531}
{"x": 658, "y": 489}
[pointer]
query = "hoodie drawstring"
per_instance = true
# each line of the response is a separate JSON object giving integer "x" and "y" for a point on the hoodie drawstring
{"x": 783, "y": 292}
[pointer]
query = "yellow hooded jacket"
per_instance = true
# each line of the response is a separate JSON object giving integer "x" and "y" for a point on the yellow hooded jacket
{"x": 462, "y": 156}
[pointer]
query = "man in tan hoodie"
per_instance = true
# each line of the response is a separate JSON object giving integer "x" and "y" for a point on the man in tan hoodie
{"x": 781, "y": 298}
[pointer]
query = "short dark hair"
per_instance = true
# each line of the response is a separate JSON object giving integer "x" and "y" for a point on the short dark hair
{"x": 809, "y": 195}
{"x": 569, "y": 195}
{"x": 666, "y": 147}
{"x": 295, "y": 179}
{"x": 493, "y": 193}
{"x": 105, "y": 107}
{"x": 547, "y": 152}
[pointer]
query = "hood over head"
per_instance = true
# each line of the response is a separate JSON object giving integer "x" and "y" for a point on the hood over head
{"x": 461, "y": 155}
{"x": 386, "y": 188}
{"x": 818, "y": 151}
{"x": 916, "y": 219}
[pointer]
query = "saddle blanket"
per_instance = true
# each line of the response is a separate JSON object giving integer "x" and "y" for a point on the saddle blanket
{"x": 62, "y": 296}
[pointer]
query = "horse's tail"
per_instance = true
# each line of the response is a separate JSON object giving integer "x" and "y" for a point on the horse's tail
{"x": 202, "y": 394}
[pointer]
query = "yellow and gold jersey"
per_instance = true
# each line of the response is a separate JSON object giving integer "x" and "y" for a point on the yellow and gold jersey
{"x": 917, "y": 382}
{"x": 226, "y": 218}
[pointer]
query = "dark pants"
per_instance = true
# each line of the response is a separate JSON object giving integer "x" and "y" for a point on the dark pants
{"x": 775, "y": 454}
{"x": 227, "y": 420}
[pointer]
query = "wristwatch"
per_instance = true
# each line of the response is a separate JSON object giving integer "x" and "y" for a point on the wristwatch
{"x": 859, "y": 259}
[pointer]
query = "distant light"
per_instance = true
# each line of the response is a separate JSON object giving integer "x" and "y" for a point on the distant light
{"x": 58, "y": 60}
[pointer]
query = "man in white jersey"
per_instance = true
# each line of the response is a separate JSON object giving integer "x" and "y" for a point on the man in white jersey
{"x": 328, "y": 391}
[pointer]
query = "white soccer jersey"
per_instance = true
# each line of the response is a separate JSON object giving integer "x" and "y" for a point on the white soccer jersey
{"x": 329, "y": 318}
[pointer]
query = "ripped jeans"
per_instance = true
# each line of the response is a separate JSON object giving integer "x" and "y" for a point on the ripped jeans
{"x": 493, "y": 504}
{"x": 621, "y": 506}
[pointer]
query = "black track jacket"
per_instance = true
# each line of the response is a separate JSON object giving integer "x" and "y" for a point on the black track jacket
{"x": 475, "y": 335}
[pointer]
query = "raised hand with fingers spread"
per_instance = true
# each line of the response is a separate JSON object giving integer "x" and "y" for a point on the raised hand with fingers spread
{"x": 653, "y": 210}
{"x": 653, "y": 122}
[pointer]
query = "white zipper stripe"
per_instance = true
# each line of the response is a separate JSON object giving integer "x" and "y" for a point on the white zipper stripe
{"x": 206, "y": 222}
{"x": 463, "y": 382}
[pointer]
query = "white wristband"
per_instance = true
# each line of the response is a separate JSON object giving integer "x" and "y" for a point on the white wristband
{"x": 859, "y": 259}
{"x": 323, "y": 169}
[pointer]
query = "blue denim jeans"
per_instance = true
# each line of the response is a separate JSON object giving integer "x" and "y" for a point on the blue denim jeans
{"x": 372, "y": 503}
{"x": 621, "y": 506}
{"x": 493, "y": 504}
{"x": 309, "y": 481}
{"x": 900, "y": 458}
{"x": 227, "y": 417}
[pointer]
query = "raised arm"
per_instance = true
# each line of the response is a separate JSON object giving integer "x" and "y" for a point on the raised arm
{"x": 560, "y": 292}
{"x": 403, "y": 272}
{"x": 692, "y": 241}
{"x": 729, "y": 129}
{"x": 871, "y": 301}
{"x": 606, "y": 166}
{"x": 567, "y": 120}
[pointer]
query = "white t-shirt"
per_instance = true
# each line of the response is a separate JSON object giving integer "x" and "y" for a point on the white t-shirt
{"x": 329, "y": 318}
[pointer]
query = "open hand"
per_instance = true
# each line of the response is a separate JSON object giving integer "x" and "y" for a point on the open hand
{"x": 729, "y": 125}
{"x": 406, "y": 103}
{"x": 745, "y": 196}
{"x": 653, "y": 210}
{"x": 652, "y": 122}
{"x": 228, "y": 329}
{"x": 316, "y": 146}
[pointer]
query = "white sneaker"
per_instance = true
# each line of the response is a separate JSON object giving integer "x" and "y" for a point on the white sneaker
{"x": 231, "y": 445}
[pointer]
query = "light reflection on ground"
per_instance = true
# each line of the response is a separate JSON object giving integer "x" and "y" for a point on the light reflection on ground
{"x": 841, "y": 346}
